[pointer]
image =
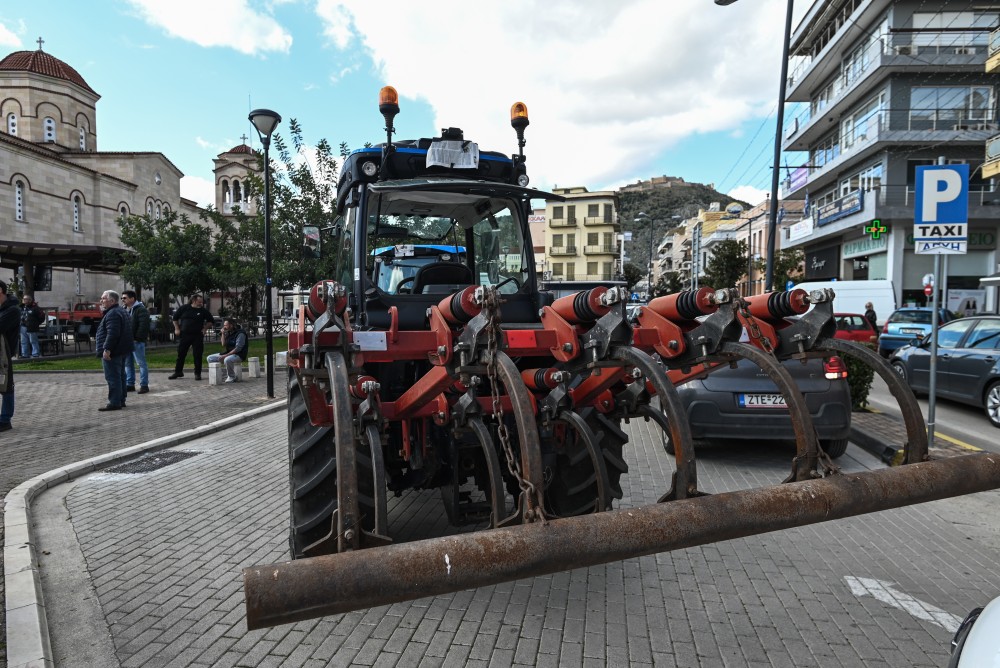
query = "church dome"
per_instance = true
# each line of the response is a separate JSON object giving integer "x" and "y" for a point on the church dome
{"x": 39, "y": 62}
{"x": 242, "y": 148}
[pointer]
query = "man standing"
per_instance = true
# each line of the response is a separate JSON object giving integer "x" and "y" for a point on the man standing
{"x": 190, "y": 323}
{"x": 140, "y": 333}
{"x": 114, "y": 345}
{"x": 10, "y": 319}
{"x": 32, "y": 318}
{"x": 235, "y": 345}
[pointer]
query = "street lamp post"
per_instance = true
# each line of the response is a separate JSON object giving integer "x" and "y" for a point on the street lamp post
{"x": 772, "y": 222}
{"x": 265, "y": 121}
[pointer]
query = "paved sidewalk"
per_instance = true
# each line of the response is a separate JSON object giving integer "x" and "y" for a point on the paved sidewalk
{"x": 56, "y": 423}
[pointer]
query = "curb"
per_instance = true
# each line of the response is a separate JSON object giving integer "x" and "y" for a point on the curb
{"x": 889, "y": 454}
{"x": 28, "y": 644}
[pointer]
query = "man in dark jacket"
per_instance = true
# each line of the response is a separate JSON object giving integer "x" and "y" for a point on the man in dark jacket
{"x": 235, "y": 346}
{"x": 114, "y": 344}
{"x": 32, "y": 318}
{"x": 140, "y": 333}
{"x": 190, "y": 323}
{"x": 10, "y": 322}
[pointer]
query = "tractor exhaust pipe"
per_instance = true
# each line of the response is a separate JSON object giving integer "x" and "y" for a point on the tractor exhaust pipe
{"x": 332, "y": 584}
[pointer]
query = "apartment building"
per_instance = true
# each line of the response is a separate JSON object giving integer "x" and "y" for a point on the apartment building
{"x": 883, "y": 87}
{"x": 581, "y": 236}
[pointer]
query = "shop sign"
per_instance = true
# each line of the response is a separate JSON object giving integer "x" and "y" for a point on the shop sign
{"x": 823, "y": 263}
{"x": 978, "y": 240}
{"x": 865, "y": 246}
{"x": 801, "y": 229}
{"x": 840, "y": 208}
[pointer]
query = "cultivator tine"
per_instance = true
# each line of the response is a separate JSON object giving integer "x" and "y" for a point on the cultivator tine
{"x": 348, "y": 515}
{"x": 305, "y": 589}
{"x": 498, "y": 502}
{"x": 374, "y": 442}
{"x": 685, "y": 479}
{"x": 804, "y": 466}
{"x": 592, "y": 442}
{"x": 916, "y": 434}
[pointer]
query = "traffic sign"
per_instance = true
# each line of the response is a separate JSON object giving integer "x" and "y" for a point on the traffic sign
{"x": 790, "y": 284}
{"x": 928, "y": 290}
{"x": 928, "y": 280}
{"x": 941, "y": 210}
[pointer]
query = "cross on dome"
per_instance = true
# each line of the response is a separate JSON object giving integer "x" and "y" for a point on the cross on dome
{"x": 40, "y": 42}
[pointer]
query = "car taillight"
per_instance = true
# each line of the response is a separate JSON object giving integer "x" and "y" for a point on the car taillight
{"x": 885, "y": 327}
{"x": 834, "y": 368}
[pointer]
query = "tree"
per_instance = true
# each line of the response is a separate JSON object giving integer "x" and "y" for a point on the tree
{"x": 787, "y": 264}
{"x": 633, "y": 274}
{"x": 727, "y": 266}
{"x": 668, "y": 283}
{"x": 171, "y": 254}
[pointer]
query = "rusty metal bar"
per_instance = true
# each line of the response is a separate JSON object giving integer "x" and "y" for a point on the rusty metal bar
{"x": 309, "y": 588}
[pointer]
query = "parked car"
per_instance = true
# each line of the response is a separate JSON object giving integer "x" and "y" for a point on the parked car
{"x": 975, "y": 643}
{"x": 743, "y": 403}
{"x": 968, "y": 364}
{"x": 855, "y": 327}
{"x": 906, "y": 324}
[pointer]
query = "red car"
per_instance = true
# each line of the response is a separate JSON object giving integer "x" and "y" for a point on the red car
{"x": 855, "y": 327}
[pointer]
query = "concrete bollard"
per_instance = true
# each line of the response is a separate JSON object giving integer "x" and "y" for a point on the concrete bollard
{"x": 280, "y": 359}
{"x": 253, "y": 367}
{"x": 216, "y": 373}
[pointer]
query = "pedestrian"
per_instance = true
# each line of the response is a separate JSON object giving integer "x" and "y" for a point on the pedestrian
{"x": 140, "y": 334}
{"x": 870, "y": 315}
{"x": 10, "y": 319}
{"x": 32, "y": 318}
{"x": 114, "y": 344}
{"x": 235, "y": 346}
{"x": 191, "y": 321}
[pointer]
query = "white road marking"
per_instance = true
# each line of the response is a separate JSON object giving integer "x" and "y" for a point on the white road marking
{"x": 888, "y": 594}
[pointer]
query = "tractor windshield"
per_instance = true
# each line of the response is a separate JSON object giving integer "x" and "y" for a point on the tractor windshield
{"x": 409, "y": 230}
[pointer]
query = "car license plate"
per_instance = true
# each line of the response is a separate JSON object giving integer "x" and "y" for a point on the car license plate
{"x": 761, "y": 401}
{"x": 911, "y": 330}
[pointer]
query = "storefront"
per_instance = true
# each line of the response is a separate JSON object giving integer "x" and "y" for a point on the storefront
{"x": 961, "y": 279}
{"x": 823, "y": 264}
{"x": 866, "y": 258}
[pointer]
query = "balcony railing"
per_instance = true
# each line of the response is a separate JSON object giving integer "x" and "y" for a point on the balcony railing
{"x": 598, "y": 220}
{"x": 562, "y": 250}
{"x": 563, "y": 222}
{"x": 600, "y": 250}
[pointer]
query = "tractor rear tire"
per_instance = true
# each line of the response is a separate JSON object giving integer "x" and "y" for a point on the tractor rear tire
{"x": 312, "y": 473}
{"x": 573, "y": 490}
{"x": 834, "y": 447}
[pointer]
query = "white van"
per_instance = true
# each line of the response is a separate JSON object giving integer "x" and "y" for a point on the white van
{"x": 851, "y": 296}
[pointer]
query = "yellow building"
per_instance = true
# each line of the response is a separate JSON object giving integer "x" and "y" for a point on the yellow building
{"x": 581, "y": 236}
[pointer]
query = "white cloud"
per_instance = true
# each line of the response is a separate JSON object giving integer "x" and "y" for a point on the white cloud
{"x": 610, "y": 86}
{"x": 222, "y": 23}
{"x": 749, "y": 194}
{"x": 198, "y": 189}
{"x": 9, "y": 38}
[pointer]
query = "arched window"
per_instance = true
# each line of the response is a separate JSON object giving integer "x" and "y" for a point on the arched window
{"x": 77, "y": 204}
{"x": 19, "y": 200}
{"x": 157, "y": 211}
{"x": 50, "y": 128}
{"x": 149, "y": 209}
{"x": 237, "y": 191}
{"x": 166, "y": 209}
{"x": 226, "y": 195}
{"x": 83, "y": 139}
{"x": 123, "y": 211}
{"x": 12, "y": 124}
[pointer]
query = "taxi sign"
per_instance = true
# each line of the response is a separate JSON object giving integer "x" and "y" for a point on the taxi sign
{"x": 941, "y": 210}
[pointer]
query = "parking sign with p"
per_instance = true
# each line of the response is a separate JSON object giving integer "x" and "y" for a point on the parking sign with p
{"x": 941, "y": 211}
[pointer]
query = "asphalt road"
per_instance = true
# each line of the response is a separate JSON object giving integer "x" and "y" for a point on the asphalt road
{"x": 955, "y": 423}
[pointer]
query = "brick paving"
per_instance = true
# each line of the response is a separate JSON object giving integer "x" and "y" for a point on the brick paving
{"x": 164, "y": 552}
{"x": 56, "y": 423}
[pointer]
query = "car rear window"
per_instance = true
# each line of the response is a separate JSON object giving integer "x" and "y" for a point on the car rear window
{"x": 918, "y": 317}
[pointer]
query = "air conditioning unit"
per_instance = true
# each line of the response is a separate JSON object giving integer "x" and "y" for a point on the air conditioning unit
{"x": 964, "y": 51}
{"x": 904, "y": 50}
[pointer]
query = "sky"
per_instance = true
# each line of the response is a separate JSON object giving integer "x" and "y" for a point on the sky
{"x": 616, "y": 91}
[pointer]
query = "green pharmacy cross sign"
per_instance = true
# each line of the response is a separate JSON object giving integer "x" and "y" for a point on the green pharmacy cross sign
{"x": 875, "y": 228}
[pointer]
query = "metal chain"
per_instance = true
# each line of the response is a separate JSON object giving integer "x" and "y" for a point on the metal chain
{"x": 491, "y": 305}
{"x": 753, "y": 330}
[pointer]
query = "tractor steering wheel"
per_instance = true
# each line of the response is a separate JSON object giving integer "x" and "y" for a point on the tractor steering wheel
{"x": 399, "y": 286}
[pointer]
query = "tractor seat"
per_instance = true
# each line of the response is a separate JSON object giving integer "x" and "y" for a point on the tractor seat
{"x": 448, "y": 274}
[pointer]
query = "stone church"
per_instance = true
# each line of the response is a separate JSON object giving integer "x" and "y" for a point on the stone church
{"x": 60, "y": 197}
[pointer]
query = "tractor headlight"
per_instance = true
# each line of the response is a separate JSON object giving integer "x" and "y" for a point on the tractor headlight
{"x": 369, "y": 168}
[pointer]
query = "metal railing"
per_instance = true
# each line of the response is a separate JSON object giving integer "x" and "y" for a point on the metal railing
{"x": 598, "y": 220}
{"x": 600, "y": 250}
{"x": 563, "y": 222}
{"x": 562, "y": 250}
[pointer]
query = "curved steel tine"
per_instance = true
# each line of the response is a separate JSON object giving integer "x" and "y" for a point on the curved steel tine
{"x": 348, "y": 511}
{"x": 806, "y": 442}
{"x": 381, "y": 527}
{"x": 596, "y": 456}
{"x": 498, "y": 502}
{"x": 527, "y": 432}
{"x": 916, "y": 433}
{"x": 685, "y": 478}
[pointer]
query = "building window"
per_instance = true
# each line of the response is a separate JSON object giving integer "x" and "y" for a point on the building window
{"x": 123, "y": 211}
{"x": 557, "y": 212}
{"x": 949, "y": 107}
{"x": 50, "y": 129}
{"x": 593, "y": 210}
{"x": 226, "y": 195}
{"x": 608, "y": 210}
{"x": 570, "y": 271}
{"x": 237, "y": 191}
{"x": 78, "y": 279}
{"x": 593, "y": 240}
{"x": 827, "y": 150}
{"x": 864, "y": 123}
{"x": 12, "y": 124}
{"x": 83, "y": 139}
{"x": 571, "y": 212}
{"x": 19, "y": 201}
{"x": 557, "y": 240}
{"x": 76, "y": 213}
{"x": 149, "y": 209}
{"x": 557, "y": 268}
{"x": 157, "y": 211}
{"x": 591, "y": 270}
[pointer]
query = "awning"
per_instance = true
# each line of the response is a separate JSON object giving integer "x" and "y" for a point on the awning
{"x": 94, "y": 258}
{"x": 991, "y": 280}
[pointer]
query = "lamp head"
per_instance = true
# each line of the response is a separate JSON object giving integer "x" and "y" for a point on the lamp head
{"x": 265, "y": 121}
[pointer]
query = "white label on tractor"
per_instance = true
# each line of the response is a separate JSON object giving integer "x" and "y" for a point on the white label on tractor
{"x": 403, "y": 250}
{"x": 454, "y": 154}
{"x": 370, "y": 340}
{"x": 357, "y": 273}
